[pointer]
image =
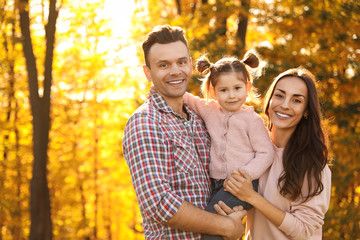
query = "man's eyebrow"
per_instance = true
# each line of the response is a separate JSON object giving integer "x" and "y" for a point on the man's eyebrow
{"x": 166, "y": 61}
{"x": 162, "y": 61}
{"x": 296, "y": 95}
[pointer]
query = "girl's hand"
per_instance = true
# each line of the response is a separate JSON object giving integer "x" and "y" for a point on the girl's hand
{"x": 239, "y": 184}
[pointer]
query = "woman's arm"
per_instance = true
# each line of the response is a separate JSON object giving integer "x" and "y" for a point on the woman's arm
{"x": 239, "y": 185}
{"x": 301, "y": 220}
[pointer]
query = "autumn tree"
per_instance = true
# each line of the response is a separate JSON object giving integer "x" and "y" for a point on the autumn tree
{"x": 13, "y": 213}
{"x": 41, "y": 222}
{"x": 91, "y": 99}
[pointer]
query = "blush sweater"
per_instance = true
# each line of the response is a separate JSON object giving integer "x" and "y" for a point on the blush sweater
{"x": 238, "y": 139}
{"x": 302, "y": 220}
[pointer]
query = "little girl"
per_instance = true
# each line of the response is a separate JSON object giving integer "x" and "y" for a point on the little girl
{"x": 239, "y": 138}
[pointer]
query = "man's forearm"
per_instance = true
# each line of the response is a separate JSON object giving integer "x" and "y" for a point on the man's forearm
{"x": 193, "y": 219}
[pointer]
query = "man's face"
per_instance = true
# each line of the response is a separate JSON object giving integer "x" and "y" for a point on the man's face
{"x": 170, "y": 69}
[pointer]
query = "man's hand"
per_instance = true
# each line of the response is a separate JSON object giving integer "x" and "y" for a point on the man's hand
{"x": 236, "y": 214}
{"x": 192, "y": 219}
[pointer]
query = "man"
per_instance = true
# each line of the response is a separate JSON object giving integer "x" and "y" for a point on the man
{"x": 166, "y": 147}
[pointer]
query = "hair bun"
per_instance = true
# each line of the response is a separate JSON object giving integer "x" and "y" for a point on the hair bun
{"x": 251, "y": 59}
{"x": 203, "y": 64}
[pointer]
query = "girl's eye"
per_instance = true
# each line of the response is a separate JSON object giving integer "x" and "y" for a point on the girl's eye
{"x": 297, "y": 100}
{"x": 278, "y": 95}
{"x": 238, "y": 88}
{"x": 222, "y": 90}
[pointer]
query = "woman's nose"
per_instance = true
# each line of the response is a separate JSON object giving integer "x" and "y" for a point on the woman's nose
{"x": 285, "y": 103}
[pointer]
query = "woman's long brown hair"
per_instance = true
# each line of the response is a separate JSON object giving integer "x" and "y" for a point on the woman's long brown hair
{"x": 306, "y": 153}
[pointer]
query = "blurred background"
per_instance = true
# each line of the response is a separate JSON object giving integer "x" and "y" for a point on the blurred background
{"x": 71, "y": 75}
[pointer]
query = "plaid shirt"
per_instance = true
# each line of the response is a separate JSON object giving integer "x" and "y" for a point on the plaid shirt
{"x": 168, "y": 157}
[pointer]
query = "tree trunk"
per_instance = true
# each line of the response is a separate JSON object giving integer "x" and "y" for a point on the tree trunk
{"x": 41, "y": 224}
{"x": 242, "y": 25}
{"x": 178, "y": 7}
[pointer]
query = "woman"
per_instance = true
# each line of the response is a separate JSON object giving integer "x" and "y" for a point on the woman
{"x": 294, "y": 193}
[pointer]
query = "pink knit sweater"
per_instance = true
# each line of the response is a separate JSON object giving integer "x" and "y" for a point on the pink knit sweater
{"x": 238, "y": 139}
{"x": 302, "y": 220}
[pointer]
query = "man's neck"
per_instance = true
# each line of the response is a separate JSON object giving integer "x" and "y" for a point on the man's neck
{"x": 177, "y": 104}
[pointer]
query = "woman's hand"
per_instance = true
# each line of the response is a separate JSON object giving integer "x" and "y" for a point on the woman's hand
{"x": 239, "y": 184}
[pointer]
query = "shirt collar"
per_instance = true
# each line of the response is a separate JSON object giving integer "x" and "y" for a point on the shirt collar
{"x": 162, "y": 105}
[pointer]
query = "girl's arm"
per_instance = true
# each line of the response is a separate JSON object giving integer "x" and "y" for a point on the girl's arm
{"x": 262, "y": 146}
{"x": 199, "y": 105}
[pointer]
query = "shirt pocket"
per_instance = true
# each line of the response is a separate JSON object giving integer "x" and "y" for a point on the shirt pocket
{"x": 184, "y": 156}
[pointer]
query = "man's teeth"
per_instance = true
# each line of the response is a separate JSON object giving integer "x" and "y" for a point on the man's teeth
{"x": 175, "y": 82}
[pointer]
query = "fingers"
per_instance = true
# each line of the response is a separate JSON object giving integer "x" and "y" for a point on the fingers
{"x": 238, "y": 208}
{"x": 219, "y": 210}
{"x": 244, "y": 174}
{"x": 223, "y": 209}
{"x": 242, "y": 213}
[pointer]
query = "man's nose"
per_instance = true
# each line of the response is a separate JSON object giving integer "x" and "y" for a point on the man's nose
{"x": 175, "y": 69}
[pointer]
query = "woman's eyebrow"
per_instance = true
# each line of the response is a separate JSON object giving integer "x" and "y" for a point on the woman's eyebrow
{"x": 296, "y": 95}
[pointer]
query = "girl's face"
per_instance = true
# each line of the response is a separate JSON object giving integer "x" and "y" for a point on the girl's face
{"x": 288, "y": 103}
{"x": 231, "y": 91}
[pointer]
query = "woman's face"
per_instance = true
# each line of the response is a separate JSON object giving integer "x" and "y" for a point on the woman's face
{"x": 288, "y": 103}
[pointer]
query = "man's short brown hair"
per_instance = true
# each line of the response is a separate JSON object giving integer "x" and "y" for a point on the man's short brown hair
{"x": 162, "y": 34}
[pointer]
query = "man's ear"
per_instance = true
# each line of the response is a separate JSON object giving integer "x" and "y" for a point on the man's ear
{"x": 147, "y": 73}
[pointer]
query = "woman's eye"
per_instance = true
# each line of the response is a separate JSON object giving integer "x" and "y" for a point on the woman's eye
{"x": 278, "y": 95}
{"x": 297, "y": 100}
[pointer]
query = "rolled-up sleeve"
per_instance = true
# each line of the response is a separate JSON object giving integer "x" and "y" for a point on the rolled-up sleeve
{"x": 305, "y": 218}
{"x": 147, "y": 156}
